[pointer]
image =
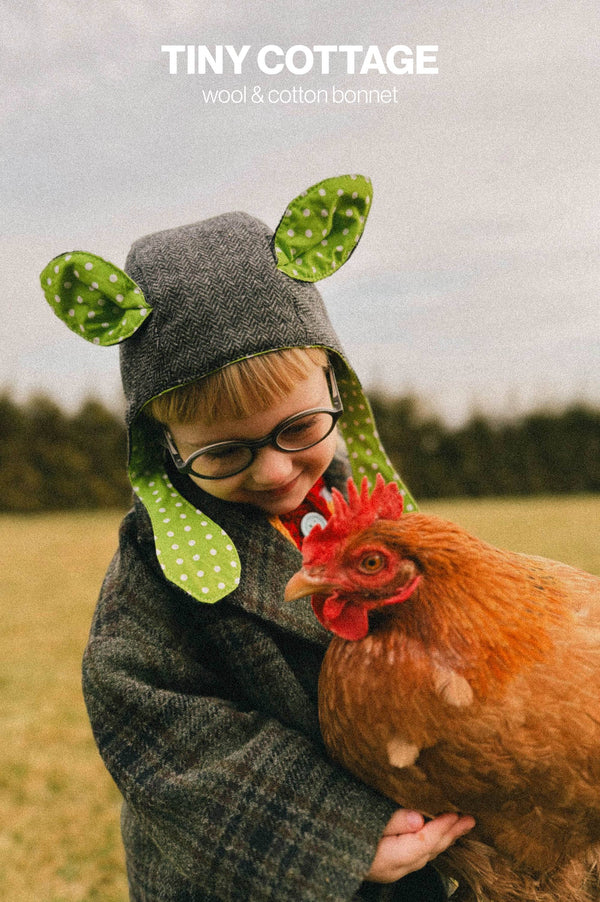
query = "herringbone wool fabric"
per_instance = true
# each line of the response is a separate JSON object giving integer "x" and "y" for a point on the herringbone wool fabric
{"x": 217, "y": 296}
{"x": 206, "y": 715}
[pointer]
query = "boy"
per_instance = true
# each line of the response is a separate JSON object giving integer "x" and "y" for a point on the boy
{"x": 201, "y": 684}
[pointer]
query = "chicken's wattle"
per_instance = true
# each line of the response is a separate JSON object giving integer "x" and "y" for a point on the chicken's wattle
{"x": 349, "y": 619}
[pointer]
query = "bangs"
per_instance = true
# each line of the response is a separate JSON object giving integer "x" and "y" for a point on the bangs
{"x": 238, "y": 390}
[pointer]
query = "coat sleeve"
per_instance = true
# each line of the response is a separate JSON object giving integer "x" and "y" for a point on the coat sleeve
{"x": 239, "y": 802}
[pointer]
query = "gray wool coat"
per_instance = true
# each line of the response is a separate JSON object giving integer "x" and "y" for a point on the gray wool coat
{"x": 206, "y": 717}
{"x": 206, "y": 713}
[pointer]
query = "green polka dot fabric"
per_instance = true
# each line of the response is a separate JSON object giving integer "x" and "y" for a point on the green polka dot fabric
{"x": 322, "y": 226}
{"x": 194, "y": 552}
{"x": 96, "y": 299}
{"x": 365, "y": 451}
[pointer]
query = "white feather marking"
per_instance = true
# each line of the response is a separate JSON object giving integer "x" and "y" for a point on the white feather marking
{"x": 453, "y": 688}
{"x": 401, "y": 753}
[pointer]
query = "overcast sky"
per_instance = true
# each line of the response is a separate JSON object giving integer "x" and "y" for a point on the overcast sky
{"x": 476, "y": 282}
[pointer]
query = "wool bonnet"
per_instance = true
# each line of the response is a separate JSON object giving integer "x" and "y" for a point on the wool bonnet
{"x": 193, "y": 299}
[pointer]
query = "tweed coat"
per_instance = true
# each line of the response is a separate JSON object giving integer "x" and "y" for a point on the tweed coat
{"x": 206, "y": 713}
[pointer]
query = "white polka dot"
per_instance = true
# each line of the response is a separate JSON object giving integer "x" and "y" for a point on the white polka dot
{"x": 191, "y": 543}
{"x": 340, "y": 191}
{"x": 221, "y": 586}
{"x": 213, "y": 551}
{"x": 89, "y": 265}
{"x": 118, "y": 297}
{"x": 205, "y": 589}
{"x": 308, "y": 233}
{"x": 349, "y": 212}
{"x": 291, "y": 233}
{"x": 112, "y": 277}
{"x": 179, "y": 561}
{"x": 183, "y": 577}
{"x": 208, "y": 535}
{"x": 322, "y": 192}
{"x": 200, "y": 573}
{"x": 306, "y": 212}
{"x": 217, "y": 569}
{"x": 175, "y": 547}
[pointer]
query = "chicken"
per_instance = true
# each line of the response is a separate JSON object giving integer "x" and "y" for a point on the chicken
{"x": 464, "y": 678}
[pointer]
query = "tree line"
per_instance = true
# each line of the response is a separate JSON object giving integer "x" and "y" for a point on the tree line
{"x": 53, "y": 460}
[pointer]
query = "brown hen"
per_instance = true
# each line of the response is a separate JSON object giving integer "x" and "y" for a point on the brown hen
{"x": 464, "y": 678}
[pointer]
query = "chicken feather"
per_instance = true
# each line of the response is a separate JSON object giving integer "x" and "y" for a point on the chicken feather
{"x": 476, "y": 689}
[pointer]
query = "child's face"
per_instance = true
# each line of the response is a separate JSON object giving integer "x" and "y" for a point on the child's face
{"x": 276, "y": 481}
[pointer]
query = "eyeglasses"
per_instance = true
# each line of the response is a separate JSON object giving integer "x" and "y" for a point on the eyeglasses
{"x": 296, "y": 433}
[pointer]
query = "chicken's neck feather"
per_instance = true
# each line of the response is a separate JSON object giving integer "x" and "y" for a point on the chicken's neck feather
{"x": 487, "y": 613}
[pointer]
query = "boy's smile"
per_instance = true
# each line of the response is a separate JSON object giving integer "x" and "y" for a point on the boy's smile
{"x": 276, "y": 481}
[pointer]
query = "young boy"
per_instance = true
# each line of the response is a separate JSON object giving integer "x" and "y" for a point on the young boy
{"x": 201, "y": 684}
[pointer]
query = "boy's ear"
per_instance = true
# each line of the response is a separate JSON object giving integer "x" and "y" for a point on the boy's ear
{"x": 322, "y": 226}
{"x": 95, "y": 298}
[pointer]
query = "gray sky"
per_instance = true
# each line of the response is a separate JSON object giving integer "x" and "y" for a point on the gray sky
{"x": 476, "y": 282}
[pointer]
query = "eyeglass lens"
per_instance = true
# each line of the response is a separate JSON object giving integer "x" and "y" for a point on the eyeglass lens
{"x": 231, "y": 458}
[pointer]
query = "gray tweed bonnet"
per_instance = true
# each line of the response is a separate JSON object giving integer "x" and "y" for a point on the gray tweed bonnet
{"x": 193, "y": 299}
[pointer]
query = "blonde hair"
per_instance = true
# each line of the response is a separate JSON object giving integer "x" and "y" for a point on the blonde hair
{"x": 239, "y": 389}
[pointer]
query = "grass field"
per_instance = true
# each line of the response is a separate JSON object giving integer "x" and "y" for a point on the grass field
{"x": 59, "y": 834}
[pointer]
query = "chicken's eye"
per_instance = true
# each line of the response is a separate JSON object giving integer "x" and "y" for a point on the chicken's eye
{"x": 372, "y": 562}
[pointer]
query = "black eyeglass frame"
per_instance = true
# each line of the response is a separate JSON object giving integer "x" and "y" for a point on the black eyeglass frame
{"x": 185, "y": 466}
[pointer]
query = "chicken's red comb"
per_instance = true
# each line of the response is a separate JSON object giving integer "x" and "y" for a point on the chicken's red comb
{"x": 384, "y": 503}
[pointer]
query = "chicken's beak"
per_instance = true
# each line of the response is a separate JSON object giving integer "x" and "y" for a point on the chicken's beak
{"x": 304, "y": 583}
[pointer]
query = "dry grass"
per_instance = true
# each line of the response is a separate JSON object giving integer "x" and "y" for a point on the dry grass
{"x": 565, "y": 528}
{"x": 59, "y": 839}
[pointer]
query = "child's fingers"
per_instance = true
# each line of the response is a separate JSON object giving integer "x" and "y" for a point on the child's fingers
{"x": 404, "y": 821}
{"x": 400, "y": 853}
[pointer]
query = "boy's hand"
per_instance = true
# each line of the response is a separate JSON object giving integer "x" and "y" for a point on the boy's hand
{"x": 408, "y": 843}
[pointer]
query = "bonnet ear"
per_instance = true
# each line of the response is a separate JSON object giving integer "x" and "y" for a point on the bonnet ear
{"x": 322, "y": 226}
{"x": 96, "y": 299}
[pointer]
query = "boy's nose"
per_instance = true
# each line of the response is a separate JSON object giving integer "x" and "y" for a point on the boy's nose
{"x": 271, "y": 467}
